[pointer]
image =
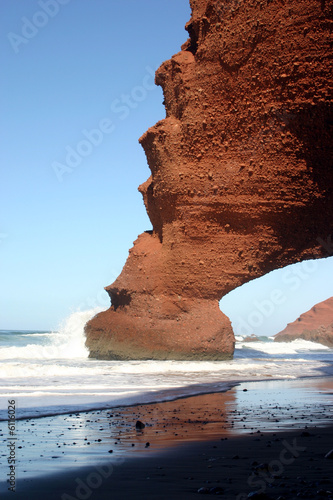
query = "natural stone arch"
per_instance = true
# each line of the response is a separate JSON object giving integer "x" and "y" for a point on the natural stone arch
{"x": 241, "y": 176}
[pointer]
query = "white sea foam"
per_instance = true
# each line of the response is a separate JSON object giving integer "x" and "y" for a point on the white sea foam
{"x": 52, "y": 374}
{"x": 239, "y": 338}
{"x": 294, "y": 347}
{"x": 67, "y": 343}
{"x": 34, "y": 335}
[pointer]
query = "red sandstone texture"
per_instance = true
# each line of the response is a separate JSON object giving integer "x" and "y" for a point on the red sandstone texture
{"x": 315, "y": 325}
{"x": 241, "y": 176}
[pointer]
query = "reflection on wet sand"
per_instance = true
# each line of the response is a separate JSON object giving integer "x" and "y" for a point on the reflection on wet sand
{"x": 61, "y": 442}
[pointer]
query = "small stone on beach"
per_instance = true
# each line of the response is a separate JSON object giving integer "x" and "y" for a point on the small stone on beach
{"x": 203, "y": 491}
{"x": 139, "y": 425}
{"x": 305, "y": 434}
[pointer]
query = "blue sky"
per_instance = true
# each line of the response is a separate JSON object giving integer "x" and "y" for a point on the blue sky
{"x": 76, "y": 94}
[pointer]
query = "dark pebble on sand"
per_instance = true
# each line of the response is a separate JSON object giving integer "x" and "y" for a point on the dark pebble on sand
{"x": 203, "y": 491}
{"x": 110, "y": 451}
{"x": 262, "y": 467}
{"x": 139, "y": 425}
{"x": 147, "y": 445}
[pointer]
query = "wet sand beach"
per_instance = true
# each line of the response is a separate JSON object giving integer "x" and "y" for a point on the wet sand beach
{"x": 271, "y": 437}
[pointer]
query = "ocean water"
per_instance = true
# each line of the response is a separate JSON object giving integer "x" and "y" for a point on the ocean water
{"x": 49, "y": 373}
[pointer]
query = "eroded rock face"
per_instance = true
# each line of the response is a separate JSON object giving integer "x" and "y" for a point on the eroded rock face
{"x": 315, "y": 325}
{"x": 241, "y": 176}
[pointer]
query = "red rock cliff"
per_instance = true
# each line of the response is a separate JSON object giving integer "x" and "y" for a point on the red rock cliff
{"x": 315, "y": 325}
{"x": 241, "y": 176}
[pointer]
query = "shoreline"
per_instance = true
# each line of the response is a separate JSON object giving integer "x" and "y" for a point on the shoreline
{"x": 179, "y": 428}
{"x": 148, "y": 399}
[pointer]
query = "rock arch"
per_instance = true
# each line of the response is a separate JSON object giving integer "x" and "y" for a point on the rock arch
{"x": 241, "y": 176}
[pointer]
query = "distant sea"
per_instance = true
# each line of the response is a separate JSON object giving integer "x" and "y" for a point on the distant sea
{"x": 49, "y": 373}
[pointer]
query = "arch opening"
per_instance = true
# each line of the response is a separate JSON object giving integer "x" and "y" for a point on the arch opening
{"x": 264, "y": 306}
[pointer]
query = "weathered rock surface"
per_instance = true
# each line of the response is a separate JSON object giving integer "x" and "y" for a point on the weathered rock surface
{"x": 241, "y": 176}
{"x": 315, "y": 325}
